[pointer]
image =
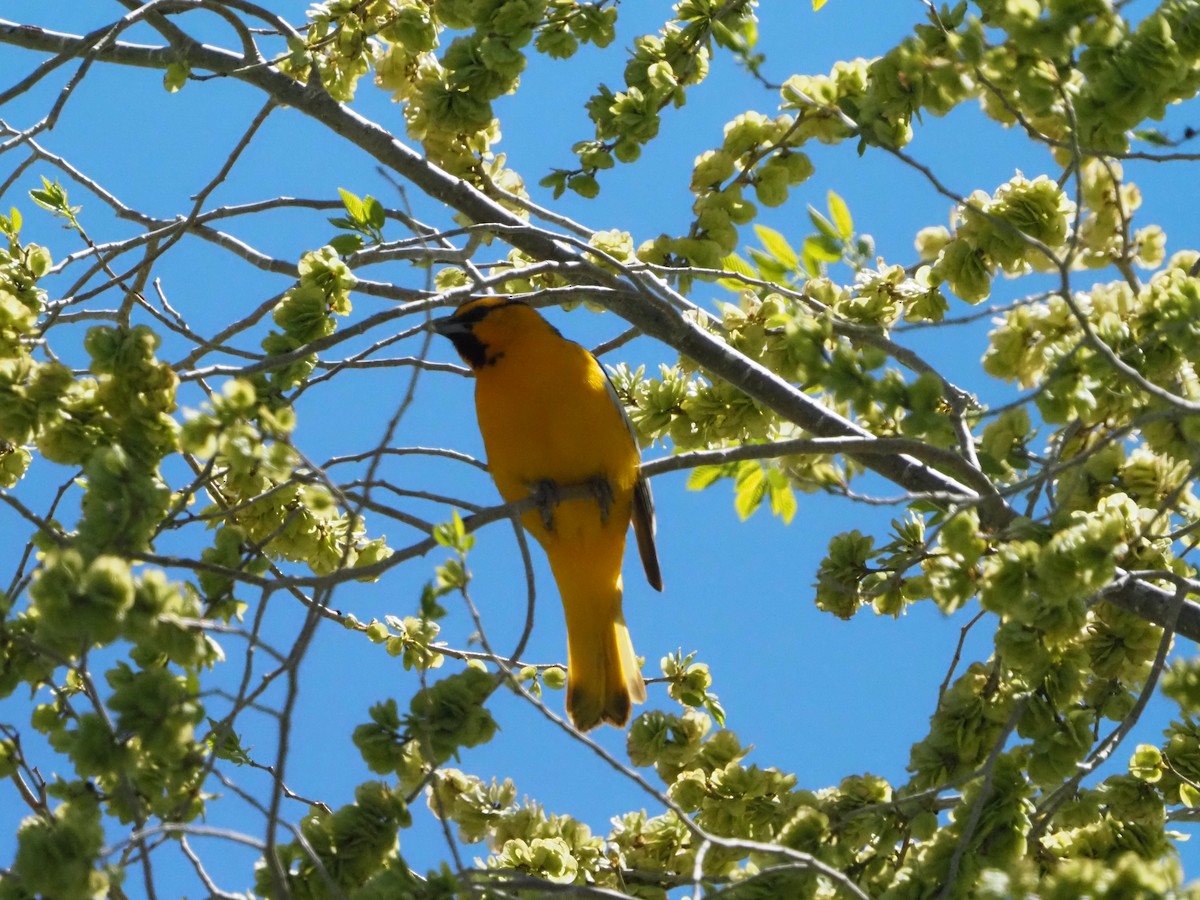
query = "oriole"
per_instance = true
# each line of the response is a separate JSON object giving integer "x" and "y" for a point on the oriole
{"x": 550, "y": 419}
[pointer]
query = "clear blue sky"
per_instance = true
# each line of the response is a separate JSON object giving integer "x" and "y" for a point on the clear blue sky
{"x": 816, "y": 696}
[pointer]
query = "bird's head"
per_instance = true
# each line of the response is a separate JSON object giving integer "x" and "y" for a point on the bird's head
{"x": 483, "y": 330}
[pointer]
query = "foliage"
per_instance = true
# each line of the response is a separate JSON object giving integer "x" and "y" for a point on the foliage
{"x": 145, "y": 590}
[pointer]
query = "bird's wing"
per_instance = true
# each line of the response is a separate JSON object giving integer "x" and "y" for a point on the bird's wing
{"x": 643, "y": 530}
{"x": 644, "y": 525}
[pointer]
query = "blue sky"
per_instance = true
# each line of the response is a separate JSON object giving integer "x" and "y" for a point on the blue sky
{"x": 816, "y": 696}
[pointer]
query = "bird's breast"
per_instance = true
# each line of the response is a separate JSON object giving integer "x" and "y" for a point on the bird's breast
{"x": 552, "y": 419}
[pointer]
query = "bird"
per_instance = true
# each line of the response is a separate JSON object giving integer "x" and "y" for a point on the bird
{"x": 551, "y": 420}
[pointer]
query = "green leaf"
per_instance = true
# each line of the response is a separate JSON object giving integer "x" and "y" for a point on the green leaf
{"x": 783, "y": 502}
{"x": 734, "y": 263}
{"x": 778, "y": 246}
{"x": 53, "y": 197}
{"x": 1153, "y": 136}
{"x": 453, "y": 534}
{"x": 353, "y": 204}
{"x": 704, "y": 476}
{"x": 924, "y": 825}
{"x": 822, "y": 224}
{"x": 225, "y": 742}
{"x": 345, "y": 244}
{"x": 44, "y": 199}
{"x": 954, "y": 17}
{"x": 819, "y": 248}
{"x": 769, "y": 267}
{"x": 176, "y": 76}
{"x": 556, "y": 181}
{"x": 840, "y": 213}
{"x": 1189, "y": 795}
{"x": 375, "y": 216}
{"x": 715, "y": 709}
{"x": 724, "y": 35}
{"x": 430, "y": 608}
{"x": 750, "y": 32}
{"x": 750, "y": 489}
{"x": 584, "y": 185}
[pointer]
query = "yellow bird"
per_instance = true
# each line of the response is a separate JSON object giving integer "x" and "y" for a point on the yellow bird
{"x": 551, "y": 420}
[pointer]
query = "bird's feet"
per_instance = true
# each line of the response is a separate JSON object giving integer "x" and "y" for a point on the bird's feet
{"x": 602, "y": 490}
{"x": 546, "y": 495}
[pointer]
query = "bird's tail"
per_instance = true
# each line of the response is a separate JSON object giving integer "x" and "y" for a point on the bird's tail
{"x": 603, "y": 679}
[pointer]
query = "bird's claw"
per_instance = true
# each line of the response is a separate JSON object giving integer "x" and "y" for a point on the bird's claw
{"x": 546, "y": 496}
{"x": 603, "y": 492}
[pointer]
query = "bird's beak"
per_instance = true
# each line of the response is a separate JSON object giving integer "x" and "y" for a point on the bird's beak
{"x": 448, "y": 326}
